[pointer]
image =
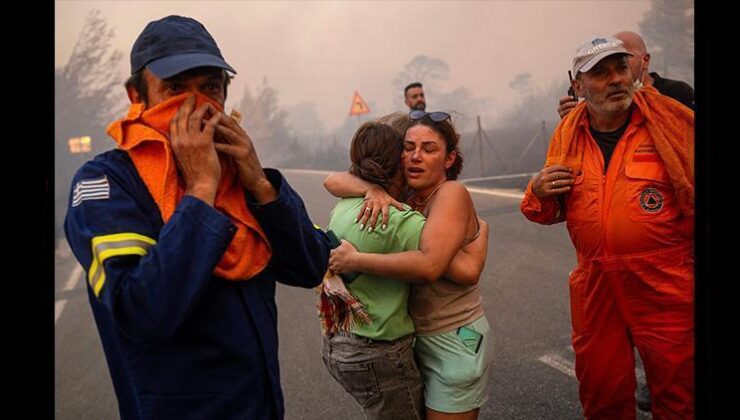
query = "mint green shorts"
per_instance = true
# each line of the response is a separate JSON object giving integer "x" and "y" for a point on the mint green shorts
{"x": 455, "y": 376}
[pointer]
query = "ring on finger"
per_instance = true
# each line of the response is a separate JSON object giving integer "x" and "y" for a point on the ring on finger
{"x": 553, "y": 184}
{"x": 367, "y": 209}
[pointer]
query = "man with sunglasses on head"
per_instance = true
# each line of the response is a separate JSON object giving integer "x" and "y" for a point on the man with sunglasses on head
{"x": 183, "y": 235}
{"x": 619, "y": 172}
{"x": 413, "y": 95}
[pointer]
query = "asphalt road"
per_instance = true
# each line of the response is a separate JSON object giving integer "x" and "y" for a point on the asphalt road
{"x": 525, "y": 296}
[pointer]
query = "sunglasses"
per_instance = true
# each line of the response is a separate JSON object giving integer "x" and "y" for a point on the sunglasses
{"x": 437, "y": 116}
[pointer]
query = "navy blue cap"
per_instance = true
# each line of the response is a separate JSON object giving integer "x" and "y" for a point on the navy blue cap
{"x": 174, "y": 44}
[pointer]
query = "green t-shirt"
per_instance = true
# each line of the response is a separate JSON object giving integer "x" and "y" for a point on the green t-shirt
{"x": 385, "y": 299}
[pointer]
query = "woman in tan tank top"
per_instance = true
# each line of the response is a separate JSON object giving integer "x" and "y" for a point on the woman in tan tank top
{"x": 448, "y": 316}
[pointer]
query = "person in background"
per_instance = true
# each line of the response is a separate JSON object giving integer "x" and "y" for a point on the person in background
{"x": 413, "y": 95}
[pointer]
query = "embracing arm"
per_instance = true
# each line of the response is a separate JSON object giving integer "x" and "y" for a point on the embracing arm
{"x": 344, "y": 184}
{"x": 377, "y": 200}
{"x": 467, "y": 264}
{"x": 441, "y": 238}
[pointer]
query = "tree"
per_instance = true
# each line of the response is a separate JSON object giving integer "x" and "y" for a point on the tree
{"x": 88, "y": 94}
{"x": 538, "y": 105}
{"x": 522, "y": 83}
{"x": 266, "y": 124}
{"x": 462, "y": 105}
{"x": 304, "y": 124}
{"x": 668, "y": 30}
{"x": 421, "y": 68}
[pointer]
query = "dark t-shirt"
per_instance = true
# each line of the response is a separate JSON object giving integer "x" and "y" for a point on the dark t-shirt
{"x": 608, "y": 141}
{"x": 676, "y": 89}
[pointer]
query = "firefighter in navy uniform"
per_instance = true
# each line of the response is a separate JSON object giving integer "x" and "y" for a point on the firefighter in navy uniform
{"x": 183, "y": 235}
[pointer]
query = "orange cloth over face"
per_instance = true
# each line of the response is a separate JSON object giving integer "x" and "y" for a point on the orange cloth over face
{"x": 144, "y": 134}
{"x": 671, "y": 127}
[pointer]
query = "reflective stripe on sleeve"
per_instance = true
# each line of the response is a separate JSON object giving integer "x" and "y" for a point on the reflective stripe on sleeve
{"x": 118, "y": 244}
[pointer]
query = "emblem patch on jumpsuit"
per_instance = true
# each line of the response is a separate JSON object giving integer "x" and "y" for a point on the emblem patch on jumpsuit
{"x": 651, "y": 200}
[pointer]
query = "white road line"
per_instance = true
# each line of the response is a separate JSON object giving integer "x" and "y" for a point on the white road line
{"x": 565, "y": 366}
{"x": 58, "y": 308}
{"x": 498, "y": 177}
{"x": 72, "y": 280}
{"x": 558, "y": 363}
{"x": 500, "y": 193}
{"x": 548, "y": 359}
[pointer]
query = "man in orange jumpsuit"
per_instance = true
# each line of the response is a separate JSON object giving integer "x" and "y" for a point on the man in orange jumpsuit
{"x": 620, "y": 173}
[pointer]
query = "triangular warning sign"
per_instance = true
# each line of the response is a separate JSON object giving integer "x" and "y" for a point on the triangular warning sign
{"x": 358, "y": 105}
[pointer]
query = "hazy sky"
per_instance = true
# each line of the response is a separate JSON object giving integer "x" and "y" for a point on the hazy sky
{"x": 322, "y": 51}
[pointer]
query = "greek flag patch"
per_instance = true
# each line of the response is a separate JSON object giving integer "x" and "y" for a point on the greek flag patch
{"x": 91, "y": 189}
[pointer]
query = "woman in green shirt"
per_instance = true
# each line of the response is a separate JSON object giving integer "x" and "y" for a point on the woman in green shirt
{"x": 453, "y": 340}
{"x": 375, "y": 362}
